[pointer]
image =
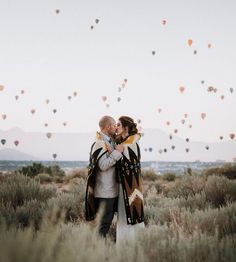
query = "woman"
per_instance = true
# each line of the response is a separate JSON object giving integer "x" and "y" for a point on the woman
{"x": 130, "y": 201}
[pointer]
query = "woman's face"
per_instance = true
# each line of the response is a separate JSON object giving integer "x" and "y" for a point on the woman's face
{"x": 120, "y": 130}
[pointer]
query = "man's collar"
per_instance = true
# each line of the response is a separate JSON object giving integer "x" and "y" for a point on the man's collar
{"x": 105, "y": 136}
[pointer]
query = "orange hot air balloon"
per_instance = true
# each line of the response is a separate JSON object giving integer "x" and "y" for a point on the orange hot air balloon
{"x": 232, "y": 136}
{"x": 209, "y": 45}
{"x": 16, "y": 143}
{"x": 4, "y": 116}
{"x": 190, "y": 42}
{"x": 104, "y": 98}
{"x": 181, "y": 89}
{"x": 203, "y": 115}
{"x": 1, "y": 87}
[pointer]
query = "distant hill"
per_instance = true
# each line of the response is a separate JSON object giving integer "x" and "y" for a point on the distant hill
{"x": 76, "y": 146}
{"x": 12, "y": 154}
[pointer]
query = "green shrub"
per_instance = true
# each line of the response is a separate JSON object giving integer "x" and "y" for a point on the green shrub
{"x": 77, "y": 173}
{"x": 169, "y": 176}
{"x": 149, "y": 175}
{"x": 42, "y": 178}
{"x": 227, "y": 170}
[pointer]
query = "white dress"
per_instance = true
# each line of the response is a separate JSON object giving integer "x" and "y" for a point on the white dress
{"x": 124, "y": 231}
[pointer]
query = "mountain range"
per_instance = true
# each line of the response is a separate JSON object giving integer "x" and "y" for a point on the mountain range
{"x": 155, "y": 144}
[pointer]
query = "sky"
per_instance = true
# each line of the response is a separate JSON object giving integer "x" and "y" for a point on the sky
{"x": 51, "y": 55}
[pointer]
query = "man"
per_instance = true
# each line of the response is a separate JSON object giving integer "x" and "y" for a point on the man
{"x": 102, "y": 187}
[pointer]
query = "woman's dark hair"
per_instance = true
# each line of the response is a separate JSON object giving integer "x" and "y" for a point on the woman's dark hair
{"x": 127, "y": 121}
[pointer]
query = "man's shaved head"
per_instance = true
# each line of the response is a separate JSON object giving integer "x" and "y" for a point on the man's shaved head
{"x": 106, "y": 121}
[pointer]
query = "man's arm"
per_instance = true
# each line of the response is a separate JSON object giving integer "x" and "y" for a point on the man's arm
{"x": 107, "y": 161}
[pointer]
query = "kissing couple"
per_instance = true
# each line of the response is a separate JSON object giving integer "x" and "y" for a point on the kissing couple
{"x": 114, "y": 182}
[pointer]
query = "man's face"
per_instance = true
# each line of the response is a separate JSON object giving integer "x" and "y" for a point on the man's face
{"x": 111, "y": 128}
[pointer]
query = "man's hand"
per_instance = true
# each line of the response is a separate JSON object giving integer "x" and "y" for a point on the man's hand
{"x": 119, "y": 148}
{"x": 109, "y": 148}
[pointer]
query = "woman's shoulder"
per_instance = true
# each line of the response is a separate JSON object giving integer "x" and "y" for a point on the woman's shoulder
{"x": 133, "y": 139}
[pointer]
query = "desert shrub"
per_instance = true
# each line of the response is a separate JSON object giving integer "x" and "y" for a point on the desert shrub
{"x": 227, "y": 170}
{"x": 38, "y": 168}
{"x": 72, "y": 203}
{"x": 77, "y": 173}
{"x": 219, "y": 190}
{"x": 149, "y": 175}
{"x": 17, "y": 188}
{"x": 42, "y": 178}
{"x": 169, "y": 176}
{"x": 186, "y": 185}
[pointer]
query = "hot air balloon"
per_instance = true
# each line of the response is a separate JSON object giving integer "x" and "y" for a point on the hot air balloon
{"x": 222, "y": 97}
{"x": 104, "y": 98}
{"x": 168, "y": 123}
{"x": 16, "y": 143}
{"x": 54, "y": 111}
{"x": 203, "y": 115}
{"x": 96, "y": 21}
{"x": 139, "y": 121}
{"x": 209, "y": 45}
{"x": 163, "y": 22}
{"x": 16, "y": 97}
{"x": 47, "y": 101}
{"x": 210, "y": 88}
{"x": 173, "y": 147}
{"x": 202, "y": 82}
{"x": 3, "y": 141}
{"x": 46, "y": 124}
{"x": 175, "y": 131}
{"x": 118, "y": 99}
{"x": 215, "y": 90}
{"x": 54, "y": 156}
{"x": 187, "y": 139}
{"x": 145, "y": 149}
{"x": 190, "y": 42}
{"x": 182, "y": 121}
{"x": 125, "y": 80}
{"x": 153, "y": 52}
{"x": 150, "y": 149}
{"x": 75, "y": 93}
{"x": 231, "y": 90}
{"x": 57, "y": 11}
{"x": 207, "y": 147}
{"x": 69, "y": 97}
{"x": 165, "y": 150}
{"x": 107, "y": 105}
{"x": 160, "y": 151}
{"x": 119, "y": 89}
{"x": 22, "y": 92}
{"x": 159, "y": 110}
{"x": 190, "y": 126}
{"x": 181, "y": 89}
{"x": 91, "y": 27}
{"x": 232, "y": 135}
{"x": 170, "y": 136}
{"x": 49, "y": 135}
{"x": 221, "y": 137}
{"x": 195, "y": 52}
{"x": 32, "y": 111}
{"x": 64, "y": 123}
{"x": 1, "y": 87}
{"x": 187, "y": 150}
{"x": 185, "y": 115}
{"x": 4, "y": 116}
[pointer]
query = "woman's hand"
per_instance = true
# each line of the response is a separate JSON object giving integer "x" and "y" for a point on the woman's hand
{"x": 109, "y": 148}
{"x": 119, "y": 148}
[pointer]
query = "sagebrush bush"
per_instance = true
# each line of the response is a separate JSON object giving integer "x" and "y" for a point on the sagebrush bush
{"x": 227, "y": 170}
{"x": 149, "y": 175}
{"x": 42, "y": 178}
{"x": 77, "y": 173}
{"x": 169, "y": 176}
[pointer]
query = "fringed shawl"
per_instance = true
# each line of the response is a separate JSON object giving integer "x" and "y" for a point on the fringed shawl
{"x": 129, "y": 171}
{"x": 98, "y": 149}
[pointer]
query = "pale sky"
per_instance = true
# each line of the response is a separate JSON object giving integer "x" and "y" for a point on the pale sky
{"x": 51, "y": 55}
